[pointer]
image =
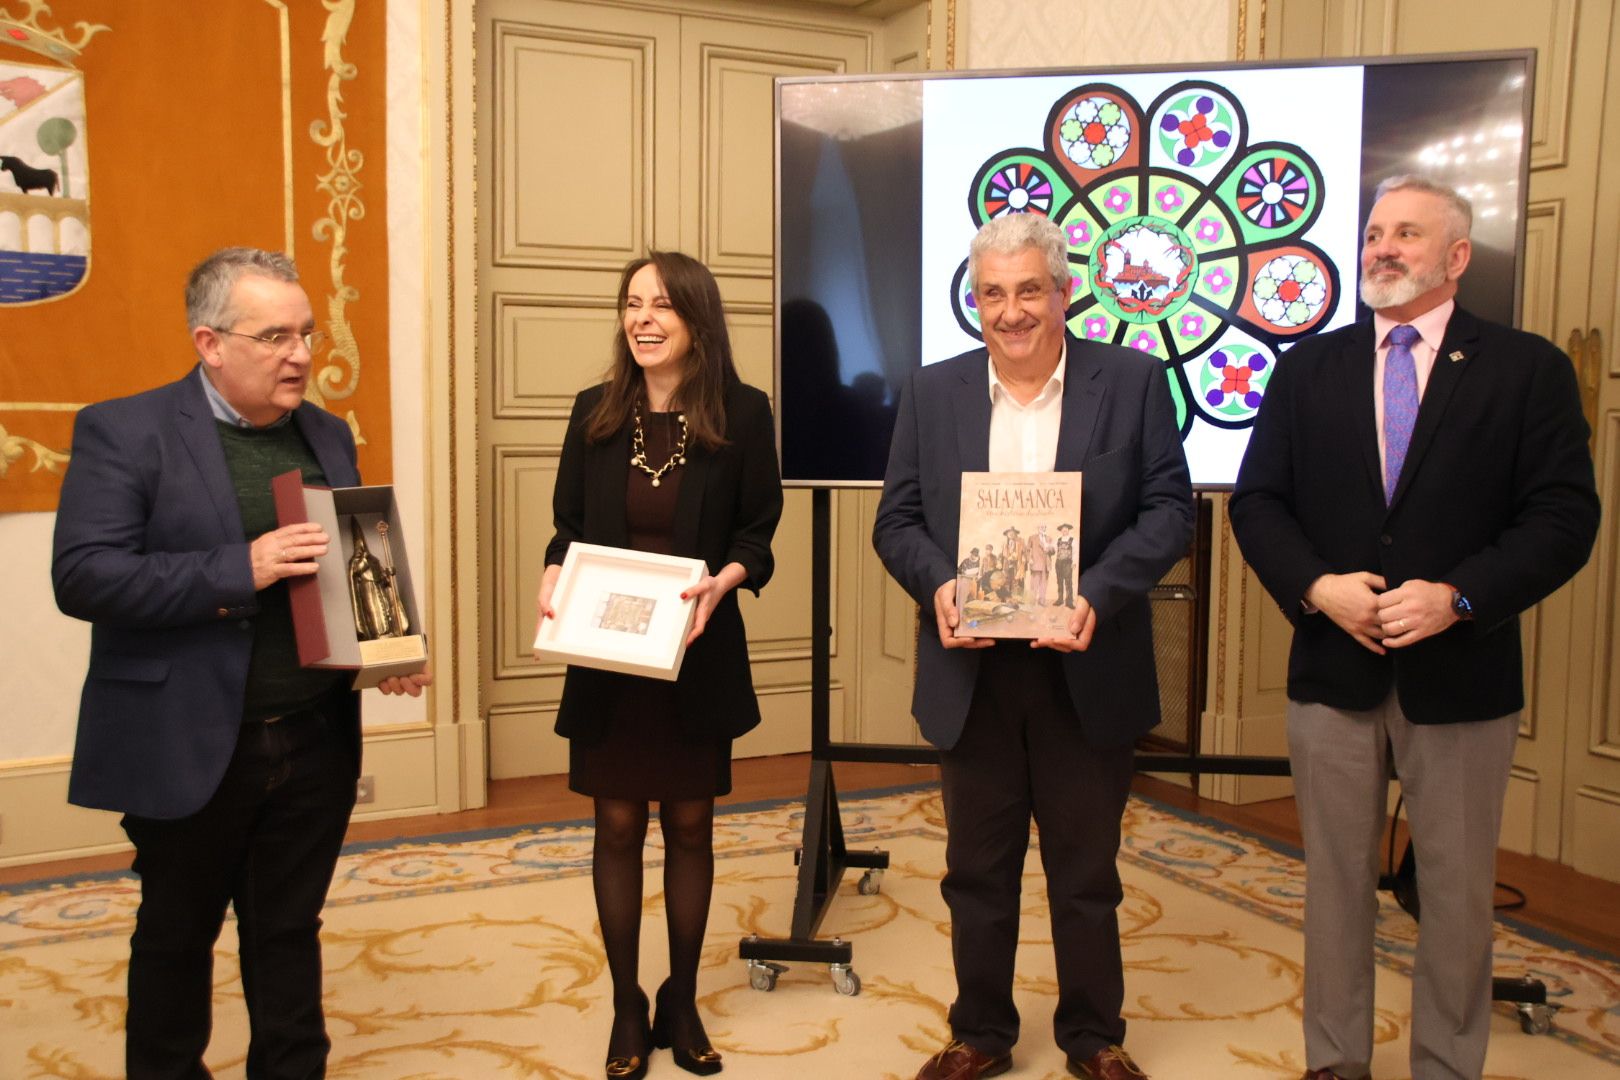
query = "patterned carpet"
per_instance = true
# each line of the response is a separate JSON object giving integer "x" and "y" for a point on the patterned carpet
{"x": 477, "y": 956}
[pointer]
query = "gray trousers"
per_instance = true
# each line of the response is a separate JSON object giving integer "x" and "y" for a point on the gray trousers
{"x": 1454, "y": 779}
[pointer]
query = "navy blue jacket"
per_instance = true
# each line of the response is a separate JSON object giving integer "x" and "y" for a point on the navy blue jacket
{"x": 149, "y": 550}
{"x": 1496, "y": 499}
{"x": 1119, "y": 428}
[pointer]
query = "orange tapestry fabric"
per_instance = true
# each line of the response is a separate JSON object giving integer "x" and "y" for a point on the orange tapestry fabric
{"x": 170, "y": 130}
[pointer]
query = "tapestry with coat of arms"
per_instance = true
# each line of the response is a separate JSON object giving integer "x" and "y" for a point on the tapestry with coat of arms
{"x": 137, "y": 138}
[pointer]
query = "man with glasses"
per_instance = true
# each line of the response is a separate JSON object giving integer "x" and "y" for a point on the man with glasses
{"x": 1045, "y": 731}
{"x": 233, "y": 766}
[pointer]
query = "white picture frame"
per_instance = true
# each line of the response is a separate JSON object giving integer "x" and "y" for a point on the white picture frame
{"x": 620, "y": 610}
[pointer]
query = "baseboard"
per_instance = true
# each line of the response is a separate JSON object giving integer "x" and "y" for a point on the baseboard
{"x": 37, "y": 824}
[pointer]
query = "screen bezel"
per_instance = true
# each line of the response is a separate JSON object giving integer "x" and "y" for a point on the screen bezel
{"x": 1526, "y": 55}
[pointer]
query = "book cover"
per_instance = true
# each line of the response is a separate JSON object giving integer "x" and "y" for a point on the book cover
{"x": 1018, "y": 558}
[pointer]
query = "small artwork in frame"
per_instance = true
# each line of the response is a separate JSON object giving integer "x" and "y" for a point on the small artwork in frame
{"x": 620, "y": 610}
{"x": 627, "y": 614}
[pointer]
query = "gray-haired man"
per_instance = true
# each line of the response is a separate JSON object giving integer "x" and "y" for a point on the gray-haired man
{"x": 1045, "y": 730}
{"x": 233, "y": 766}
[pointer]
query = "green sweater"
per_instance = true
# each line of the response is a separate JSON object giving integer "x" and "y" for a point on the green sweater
{"x": 275, "y": 683}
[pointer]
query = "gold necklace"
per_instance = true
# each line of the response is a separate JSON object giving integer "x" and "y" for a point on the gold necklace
{"x": 638, "y": 450}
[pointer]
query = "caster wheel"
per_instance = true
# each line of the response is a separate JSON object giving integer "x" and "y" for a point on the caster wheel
{"x": 871, "y": 883}
{"x": 1536, "y": 1019}
{"x": 762, "y": 975}
{"x": 844, "y": 979}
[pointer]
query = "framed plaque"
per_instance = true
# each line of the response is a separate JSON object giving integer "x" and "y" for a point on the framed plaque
{"x": 620, "y": 610}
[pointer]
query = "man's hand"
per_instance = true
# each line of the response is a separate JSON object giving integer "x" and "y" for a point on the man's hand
{"x": 548, "y": 585}
{"x": 406, "y": 684}
{"x": 1351, "y": 601}
{"x": 289, "y": 551}
{"x": 1414, "y": 611}
{"x": 946, "y": 615}
{"x": 1082, "y": 624}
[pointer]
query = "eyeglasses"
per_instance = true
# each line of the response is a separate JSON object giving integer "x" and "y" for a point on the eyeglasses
{"x": 285, "y": 343}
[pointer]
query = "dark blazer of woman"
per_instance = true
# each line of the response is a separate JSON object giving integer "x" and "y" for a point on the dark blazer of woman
{"x": 729, "y": 503}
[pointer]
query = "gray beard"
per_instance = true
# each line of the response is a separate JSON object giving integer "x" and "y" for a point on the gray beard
{"x": 1380, "y": 295}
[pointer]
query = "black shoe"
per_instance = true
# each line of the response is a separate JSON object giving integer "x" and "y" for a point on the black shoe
{"x": 696, "y": 1055}
{"x": 630, "y": 1062}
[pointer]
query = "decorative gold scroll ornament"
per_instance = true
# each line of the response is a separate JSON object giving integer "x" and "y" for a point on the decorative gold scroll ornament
{"x": 339, "y": 375}
{"x": 13, "y": 447}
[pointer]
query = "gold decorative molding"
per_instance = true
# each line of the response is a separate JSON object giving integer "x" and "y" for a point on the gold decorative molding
{"x": 1586, "y": 353}
{"x": 14, "y": 447}
{"x": 284, "y": 29}
{"x": 339, "y": 375}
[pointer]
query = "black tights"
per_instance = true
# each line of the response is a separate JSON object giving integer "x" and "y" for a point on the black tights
{"x": 616, "y": 874}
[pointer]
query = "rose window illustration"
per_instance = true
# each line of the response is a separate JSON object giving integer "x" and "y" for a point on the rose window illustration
{"x": 1187, "y": 239}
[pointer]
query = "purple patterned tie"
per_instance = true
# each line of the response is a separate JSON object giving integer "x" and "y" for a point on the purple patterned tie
{"x": 1400, "y": 404}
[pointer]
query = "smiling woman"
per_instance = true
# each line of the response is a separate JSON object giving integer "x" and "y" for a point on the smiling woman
{"x": 671, "y": 454}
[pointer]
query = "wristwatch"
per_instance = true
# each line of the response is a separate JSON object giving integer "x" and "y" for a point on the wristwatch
{"x": 1460, "y": 605}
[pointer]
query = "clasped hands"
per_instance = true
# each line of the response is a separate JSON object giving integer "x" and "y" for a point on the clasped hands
{"x": 1082, "y": 624}
{"x": 1377, "y": 619}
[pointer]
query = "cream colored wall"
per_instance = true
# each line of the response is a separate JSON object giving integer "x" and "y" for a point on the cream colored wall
{"x": 1066, "y": 33}
{"x": 46, "y": 652}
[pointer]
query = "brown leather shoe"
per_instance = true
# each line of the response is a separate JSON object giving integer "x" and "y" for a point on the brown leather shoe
{"x": 959, "y": 1061}
{"x": 1109, "y": 1063}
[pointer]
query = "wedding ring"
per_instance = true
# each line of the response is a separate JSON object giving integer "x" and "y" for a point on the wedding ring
{"x": 1403, "y": 624}
{"x": 281, "y": 554}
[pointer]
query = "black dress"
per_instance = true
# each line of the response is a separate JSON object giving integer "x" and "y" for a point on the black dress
{"x": 640, "y": 756}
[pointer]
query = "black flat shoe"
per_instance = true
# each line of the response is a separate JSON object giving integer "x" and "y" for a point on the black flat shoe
{"x": 631, "y": 1066}
{"x": 698, "y": 1058}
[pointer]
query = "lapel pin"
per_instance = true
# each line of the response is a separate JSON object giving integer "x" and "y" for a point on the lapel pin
{"x": 1456, "y": 355}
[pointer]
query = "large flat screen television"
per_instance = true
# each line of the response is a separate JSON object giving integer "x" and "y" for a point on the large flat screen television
{"x": 1213, "y": 215}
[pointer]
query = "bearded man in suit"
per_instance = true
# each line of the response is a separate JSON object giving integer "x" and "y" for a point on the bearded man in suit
{"x": 233, "y": 766}
{"x": 1047, "y": 730}
{"x": 1414, "y": 482}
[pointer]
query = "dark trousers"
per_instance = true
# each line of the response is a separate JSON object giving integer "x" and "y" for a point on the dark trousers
{"x": 266, "y": 843}
{"x": 1022, "y": 754}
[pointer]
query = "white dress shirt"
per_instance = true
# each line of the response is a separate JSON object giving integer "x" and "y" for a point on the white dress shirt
{"x": 1023, "y": 438}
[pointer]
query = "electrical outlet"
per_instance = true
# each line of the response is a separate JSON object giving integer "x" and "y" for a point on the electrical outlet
{"x": 366, "y": 789}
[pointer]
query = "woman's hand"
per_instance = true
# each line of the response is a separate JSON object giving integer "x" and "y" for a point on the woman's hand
{"x": 710, "y": 590}
{"x": 543, "y": 608}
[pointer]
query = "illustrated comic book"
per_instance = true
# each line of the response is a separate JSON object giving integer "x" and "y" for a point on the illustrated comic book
{"x": 1018, "y": 562}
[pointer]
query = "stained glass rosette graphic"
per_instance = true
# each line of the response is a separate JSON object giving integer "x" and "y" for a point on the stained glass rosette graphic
{"x": 1187, "y": 241}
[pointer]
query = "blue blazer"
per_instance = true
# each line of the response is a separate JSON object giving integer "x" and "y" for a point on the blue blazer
{"x": 149, "y": 550}
{"x": 1496, "y": 499}
{"x": 1119, "y": 429}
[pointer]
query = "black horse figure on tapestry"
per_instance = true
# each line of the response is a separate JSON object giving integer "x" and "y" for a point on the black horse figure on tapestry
{"x": 27, "y": 177}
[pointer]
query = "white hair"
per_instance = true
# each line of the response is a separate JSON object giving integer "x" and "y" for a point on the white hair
{"x": 1461, "y": 210}
{"x": 1012, "y": 233}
